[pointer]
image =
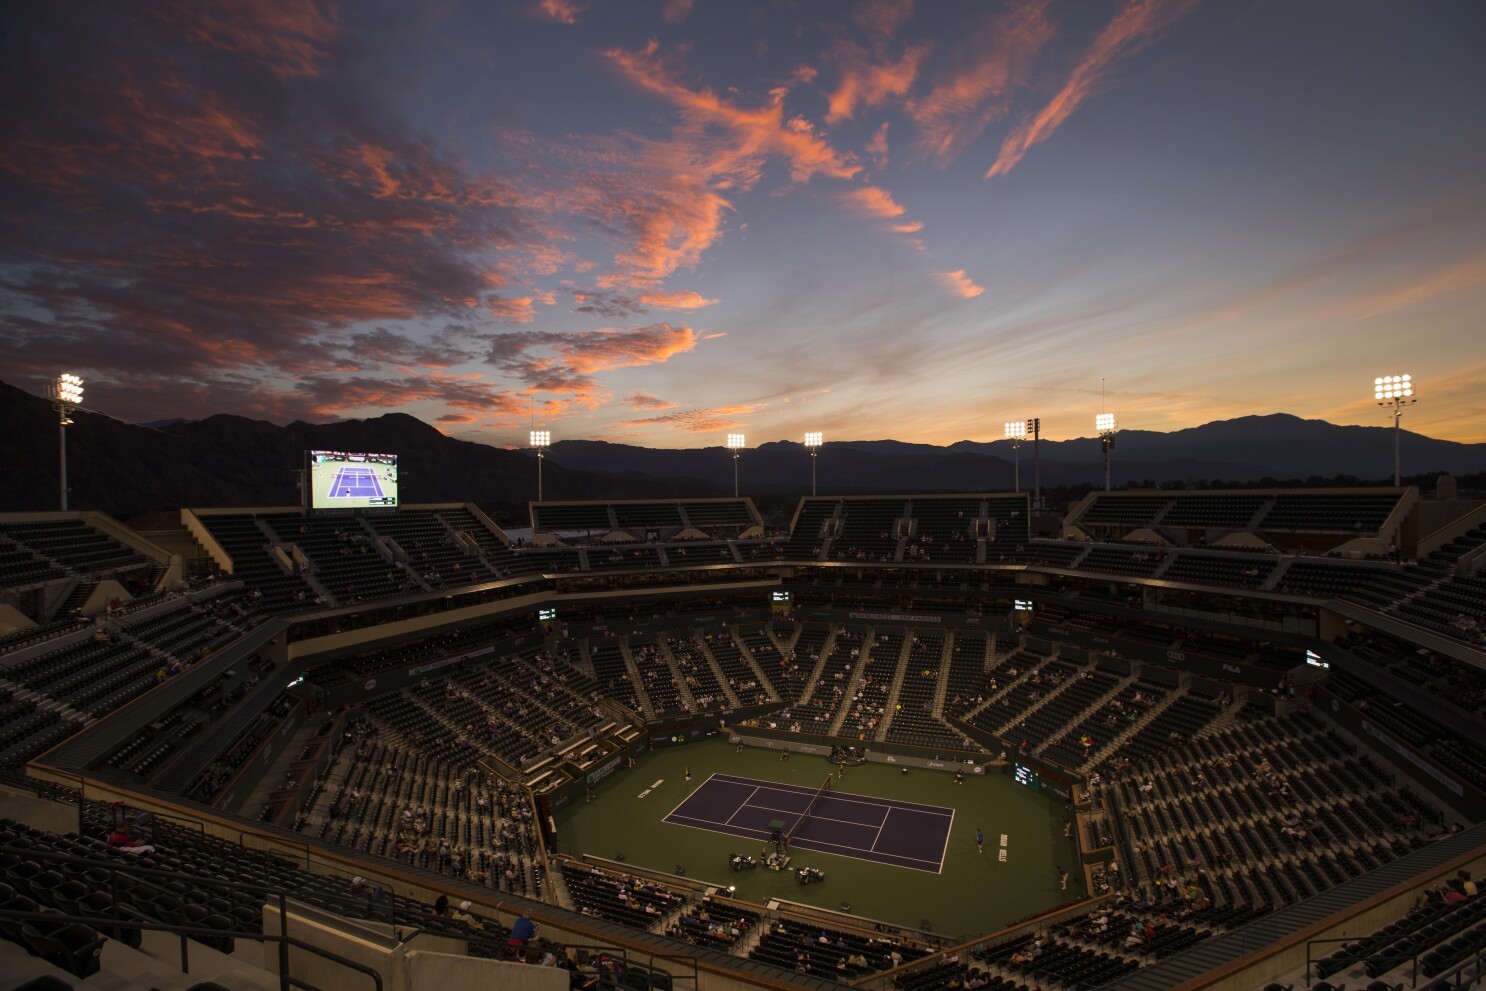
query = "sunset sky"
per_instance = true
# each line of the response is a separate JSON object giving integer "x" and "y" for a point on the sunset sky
{"x": 664, "y": 221}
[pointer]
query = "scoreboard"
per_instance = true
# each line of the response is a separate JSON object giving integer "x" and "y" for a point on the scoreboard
{"x": 1026, "y": 776}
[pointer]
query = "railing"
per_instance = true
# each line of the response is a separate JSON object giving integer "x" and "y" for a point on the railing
{"x": 286, "y": 980}
{"x": 136, "y": 873}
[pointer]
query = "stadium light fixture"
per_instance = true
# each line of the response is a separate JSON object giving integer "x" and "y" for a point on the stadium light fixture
{"x": 813, "y": 441}
{"x": 540, "y": 441}
{"x": 1396, "y": 391}
{"x": 67, "y": 395}
{"x": 735, "y": 444}
{"x": 1017, "y": 431}
{"x": 1035, "y": 426}
{"x": 1105, "y": 424}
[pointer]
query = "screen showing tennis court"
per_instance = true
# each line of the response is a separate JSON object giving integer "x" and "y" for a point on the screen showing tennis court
{"x": 339, "y": 480}
{"x": 904, "y": 834}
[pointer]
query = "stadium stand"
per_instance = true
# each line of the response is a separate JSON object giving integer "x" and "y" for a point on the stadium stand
{"x": 1144, "y": 671}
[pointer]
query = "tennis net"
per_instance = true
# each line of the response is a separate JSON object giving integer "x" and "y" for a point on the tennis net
{"x": 790, "y": 836}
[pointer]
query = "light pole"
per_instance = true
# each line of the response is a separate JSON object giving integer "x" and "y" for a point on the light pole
{"x": 67, "y": 395}
{"x": 735, "y": 444}
{"x": 813, "y": 441}
{"x": 1035, "y": 425}
{"x": 541, "y": 440}
{"x": 1105, "y": 424}
{"x": 1396, "y": 391}
{"x": 1017, "y": 431}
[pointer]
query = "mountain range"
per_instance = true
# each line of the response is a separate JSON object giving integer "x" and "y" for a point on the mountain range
{"x": 128, "y": 469}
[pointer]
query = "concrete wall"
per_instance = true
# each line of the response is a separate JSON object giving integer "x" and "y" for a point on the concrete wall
{"x": 423, "y": 971}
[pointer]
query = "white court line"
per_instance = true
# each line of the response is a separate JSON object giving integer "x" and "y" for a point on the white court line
{"x": 740, "y": 808}
{"x": 873, "y": 847}
{"x": 713, "y": 826}
{"x": 689, "y": 797}
{"x": 944, "y": 850}
{"x": 710, "y": 827}
{"x": 839, "y": 846}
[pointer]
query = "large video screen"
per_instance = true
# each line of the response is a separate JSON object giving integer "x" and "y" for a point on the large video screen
{"x": 352, "y": 481}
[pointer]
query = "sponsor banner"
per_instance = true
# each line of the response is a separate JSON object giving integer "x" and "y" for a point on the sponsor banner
{"x": 903, "y": 760}
{"x": 605, "y": 769}
{"x": 423, "y": 669}
{"x": 893, "y": 617}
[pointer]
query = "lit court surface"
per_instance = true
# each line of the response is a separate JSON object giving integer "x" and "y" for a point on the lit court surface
{"x": 882, "y": 830}
{"x": 355, "y": 483}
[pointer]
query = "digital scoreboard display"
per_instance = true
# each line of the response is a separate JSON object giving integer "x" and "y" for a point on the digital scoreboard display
{"x": 1315, "y": 660}
{"x": 1021, "y": 605}
{"x": 1026, "y": 776}
{"x": 546, "y": 615}
{"x": 781, "y": 596}
{"x": 340, "y": 480}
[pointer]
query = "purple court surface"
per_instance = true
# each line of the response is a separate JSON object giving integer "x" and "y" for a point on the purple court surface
{"x": 882, "y": 830}
{"x": 355, "y": 483}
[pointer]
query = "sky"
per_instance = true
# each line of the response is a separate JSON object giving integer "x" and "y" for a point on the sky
{"x": 657, "y": 222}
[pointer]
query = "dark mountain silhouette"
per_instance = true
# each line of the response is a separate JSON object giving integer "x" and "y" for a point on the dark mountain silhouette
{"x": 1245, "y": 450}
{"x": 127, "y": 469}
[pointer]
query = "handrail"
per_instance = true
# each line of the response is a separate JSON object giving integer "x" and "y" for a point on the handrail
{"x": 286, "y": 980}
{"x": 137, "y": 872}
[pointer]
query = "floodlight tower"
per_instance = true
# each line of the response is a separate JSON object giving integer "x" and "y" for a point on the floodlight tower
{"x": 67, "y": 395}
{"x": 1017, "y": 431}
{"x": 813, "y": 441}
{"x": 540, "y": 440}
{"x": 1035, "y": 425}
{"x": 1396, "y": 391}
{"x": 1105, "y": 424}
{"x": 735, "y": 444}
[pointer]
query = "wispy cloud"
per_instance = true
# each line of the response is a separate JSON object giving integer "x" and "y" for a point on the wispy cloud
{"x": 696, "y": 420}
{"x": 869, "y": 79}
{"x": 672, "y": 202}
{"x": 959, "y": 283}
{"x": 979, "y": 79}
{"x": 644, "y": 400}
{"x": 684, "y": 299}
{"x": 882, "y": 17}
{"x": 561, "y": 11}
{"x": 567, "y": 363}
{"x": 877, "y": 147}
{"x": 289, "y": 37}
{"x": 676, "y": 11}
{"x": 1138, "y": 24}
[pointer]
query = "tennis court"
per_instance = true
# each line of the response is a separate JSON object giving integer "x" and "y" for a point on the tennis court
{"x": 356, "y": 483}
{"x": 882, "y": 830}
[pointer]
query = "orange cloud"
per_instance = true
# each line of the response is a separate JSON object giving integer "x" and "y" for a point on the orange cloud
{"x": 644, "y": 400}
{"x": 676, "y": 11}
{"x": 977, "y": 89}
{"x": 877, "y": 147}
{"x": 883, "y": 17}
{"x": 878, "y": 203}
{"x": 696, "y": 420}
{"x": 869, "y": 81}
{"x": 561, "y": 11}
{"x": 1134, "y": 27}
{"x": 673, "y": 202}
{"x": 518, "y": 310}
{"x": 750, "y": 134}
{"x": 566, "y": 363}
{"x": 604, "y": 350}
{"x": 290, "y": 37}
{"x": 959, "y": 283}
{"x": 873, "y": 201}
{"x": 685, "y": 299}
